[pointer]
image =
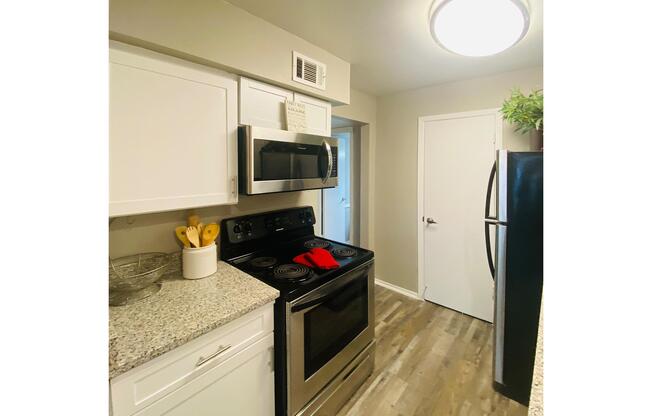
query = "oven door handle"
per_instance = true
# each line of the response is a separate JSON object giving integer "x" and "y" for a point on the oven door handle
{"x": 327, "y": 291}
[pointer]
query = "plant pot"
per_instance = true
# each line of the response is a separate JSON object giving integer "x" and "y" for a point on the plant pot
{"x": 536, "y": 140}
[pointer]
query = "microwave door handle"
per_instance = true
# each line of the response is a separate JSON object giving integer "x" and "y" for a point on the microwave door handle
{"x": 329, "y": 152}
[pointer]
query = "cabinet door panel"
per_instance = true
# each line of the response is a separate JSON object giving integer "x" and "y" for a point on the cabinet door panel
{"x": 172, "y": 134}
{"x": 243, "y": 385}
{"x": 262, "y": 105}
{"x": 318, "y": 114}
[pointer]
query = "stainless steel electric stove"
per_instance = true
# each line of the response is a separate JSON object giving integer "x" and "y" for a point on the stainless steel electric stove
{"x": 324, "y": 319}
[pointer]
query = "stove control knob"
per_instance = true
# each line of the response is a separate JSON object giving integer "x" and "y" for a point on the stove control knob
{"x": 246, "y": 227}
{"x": 236, "y": 229}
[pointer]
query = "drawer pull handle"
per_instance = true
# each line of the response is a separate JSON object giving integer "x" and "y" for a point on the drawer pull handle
{"x": 204, "y": 360}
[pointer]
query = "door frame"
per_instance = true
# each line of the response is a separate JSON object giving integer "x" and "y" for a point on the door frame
{"x": 498, "y": 144}
{"x": 354, "y": 199}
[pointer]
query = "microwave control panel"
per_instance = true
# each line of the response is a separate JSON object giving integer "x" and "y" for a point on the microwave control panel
{"x": 334, "y": 171}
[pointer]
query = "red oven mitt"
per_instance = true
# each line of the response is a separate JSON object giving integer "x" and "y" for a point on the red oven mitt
{"x": 303, "y": 259}
{"x": 322, "y": 259}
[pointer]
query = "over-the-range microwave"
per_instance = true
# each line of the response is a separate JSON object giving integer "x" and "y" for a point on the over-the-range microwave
{"x": 271, "y": 160}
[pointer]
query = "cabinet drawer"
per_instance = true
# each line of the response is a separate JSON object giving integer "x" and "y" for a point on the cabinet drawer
{"x": 142, "y": 386}
{"x": 243, "y": 385}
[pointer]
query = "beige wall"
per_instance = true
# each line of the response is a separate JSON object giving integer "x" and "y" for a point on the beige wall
{"x": 216, "y": 33}
{"x": 155, "y": 232}
{"x": 363, "y": 110}
{"x": 396, "y": 152}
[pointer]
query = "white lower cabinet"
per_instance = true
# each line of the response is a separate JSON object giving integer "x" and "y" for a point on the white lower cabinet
{"x": 229, "y": 371}
{"x": 243, "y": 385}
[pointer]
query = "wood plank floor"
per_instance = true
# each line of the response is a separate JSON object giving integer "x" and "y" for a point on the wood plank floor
{"x": 430, "y": 360}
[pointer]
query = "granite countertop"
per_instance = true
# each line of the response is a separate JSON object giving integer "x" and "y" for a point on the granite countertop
{"x": 181, "y": 311}
{"x": 536, "y": 395}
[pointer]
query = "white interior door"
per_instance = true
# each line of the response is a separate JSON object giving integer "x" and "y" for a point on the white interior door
{"x": 337, "y": 201}
{"x": 458, "y": 152}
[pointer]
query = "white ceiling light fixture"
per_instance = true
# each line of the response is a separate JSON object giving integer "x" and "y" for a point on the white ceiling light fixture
{"x": 479, "y": 27}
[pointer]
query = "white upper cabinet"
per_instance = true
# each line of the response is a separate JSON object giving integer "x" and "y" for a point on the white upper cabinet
{"x": 263, "y": 105}
{"x": 318, "y": 114}
{"x": 173, "y": 132}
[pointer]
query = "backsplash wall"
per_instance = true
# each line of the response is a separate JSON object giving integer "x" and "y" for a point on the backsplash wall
{"x": 155, "y": 232}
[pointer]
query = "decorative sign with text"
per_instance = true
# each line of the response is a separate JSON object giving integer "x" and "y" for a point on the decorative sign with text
{"x": 295, "y": 115}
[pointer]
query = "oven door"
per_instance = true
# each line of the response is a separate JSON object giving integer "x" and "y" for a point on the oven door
{"x": 327, "y": 328}
{"x": 279, "y": 161}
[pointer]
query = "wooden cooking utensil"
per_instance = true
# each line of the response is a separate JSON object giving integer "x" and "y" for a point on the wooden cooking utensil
{"x": 211, "y": 231}
{"x": 193, "y": 220}
{"x": 193, "y": 236}
{"x": 180, "y": 231}
{"x": 200, "y": 229}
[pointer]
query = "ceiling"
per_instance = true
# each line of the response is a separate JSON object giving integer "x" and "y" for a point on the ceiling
{"x": 388, "y": 42}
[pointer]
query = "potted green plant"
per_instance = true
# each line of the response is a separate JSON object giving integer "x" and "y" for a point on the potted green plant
{"x": 526, "y": 112}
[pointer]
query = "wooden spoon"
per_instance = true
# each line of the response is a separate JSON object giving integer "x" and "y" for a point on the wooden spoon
{"x": 193, "y": 220}
{"x": 180, "y": 231}
{"x": 193, "y": 236}
{"x": 211, "y": 231}
{"x": 200, "y": 229}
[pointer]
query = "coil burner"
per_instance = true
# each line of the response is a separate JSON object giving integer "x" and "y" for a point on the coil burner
{"x": 316, "y": 244}
{"x": 344, "y": 252}
{"x": 263, "y": 262}
{"x": 291, "y": 272}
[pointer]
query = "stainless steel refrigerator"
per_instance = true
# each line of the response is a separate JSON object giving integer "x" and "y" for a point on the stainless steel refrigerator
{"x": 517, "y": 268}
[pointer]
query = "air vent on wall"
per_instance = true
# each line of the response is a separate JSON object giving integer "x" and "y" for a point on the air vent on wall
{"x": 308, "y": 71}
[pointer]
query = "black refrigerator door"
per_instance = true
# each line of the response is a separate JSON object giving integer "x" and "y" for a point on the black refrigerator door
{"x": 523, "y": 280}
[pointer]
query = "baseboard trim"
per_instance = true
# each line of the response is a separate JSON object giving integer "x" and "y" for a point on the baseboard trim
{"x": 398, "y": 289}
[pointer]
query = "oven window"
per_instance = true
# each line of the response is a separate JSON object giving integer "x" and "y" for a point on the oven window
{"x": 329, "y": 327}
{"x": 275, "y": 160}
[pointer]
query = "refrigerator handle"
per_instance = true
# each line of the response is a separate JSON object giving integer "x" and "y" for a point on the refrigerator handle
{"x": 487, "y": 223}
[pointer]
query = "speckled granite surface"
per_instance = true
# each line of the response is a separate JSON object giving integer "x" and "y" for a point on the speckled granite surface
{"x": 536, "y": 394}
{"x": 181, "y": 311}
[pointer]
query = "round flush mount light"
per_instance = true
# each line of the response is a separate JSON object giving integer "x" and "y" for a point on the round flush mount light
{"x": 479, "y": 27}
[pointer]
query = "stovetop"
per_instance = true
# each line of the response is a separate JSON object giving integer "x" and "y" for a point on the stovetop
{"x": 274, "y": 265}
{"x": 264, "y": 244}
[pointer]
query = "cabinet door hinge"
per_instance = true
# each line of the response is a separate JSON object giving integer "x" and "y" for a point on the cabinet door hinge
{"x": 234, "y": 186}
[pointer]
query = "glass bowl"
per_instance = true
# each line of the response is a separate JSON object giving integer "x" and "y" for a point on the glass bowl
{"x": 132, "y": 278}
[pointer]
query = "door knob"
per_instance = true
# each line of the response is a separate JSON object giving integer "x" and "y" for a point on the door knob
{"x": 430, "y": 221}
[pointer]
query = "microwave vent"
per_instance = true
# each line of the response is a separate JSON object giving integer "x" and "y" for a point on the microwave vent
{"x": 308, "y": 71}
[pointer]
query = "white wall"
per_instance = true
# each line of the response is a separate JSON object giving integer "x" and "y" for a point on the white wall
{"x": 395, "y": 200}
{"x": 216, "y": 33}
